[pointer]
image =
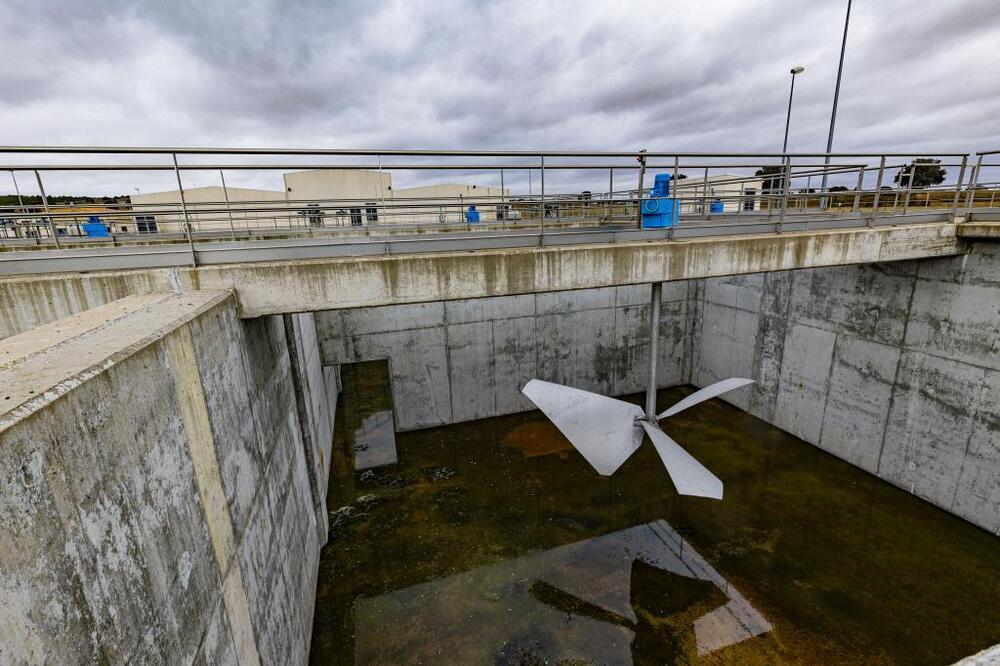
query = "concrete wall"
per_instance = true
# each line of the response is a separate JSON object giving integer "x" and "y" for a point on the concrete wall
{"x": 302, "y": 285}
{"x": 316, "y": 390}
{"x": 29, "y": 302}
{"x": 464, "y": 360}
{"x": 328, "y": 284}
{"x": 892, "y": 367}
{"x": 156, "y": 503}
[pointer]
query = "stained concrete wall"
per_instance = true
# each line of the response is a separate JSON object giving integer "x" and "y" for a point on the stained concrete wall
{"x": 463, "y": 360}
{"x": 156, "y": 504}
{"x": 892, "y": 367}
{"x": 29, "y": 302}
{"x": 316, "y": 389}
{"x": 309, "y": 285}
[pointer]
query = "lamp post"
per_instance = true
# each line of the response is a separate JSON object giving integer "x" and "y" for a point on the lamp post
{"x": 798, "y": 69}
{"x": 836, "y": 98}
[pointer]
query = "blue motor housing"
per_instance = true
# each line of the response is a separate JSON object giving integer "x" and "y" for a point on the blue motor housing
{"x": 659, "y": 210}
{"x": 94, "y": 228}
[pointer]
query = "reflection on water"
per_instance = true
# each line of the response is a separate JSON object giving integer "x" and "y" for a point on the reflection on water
{"x": 375, "y": 441}
{"x": 371, "y": 424}
{"x": 494, "y": 542}
{"x": 642, "y": 590}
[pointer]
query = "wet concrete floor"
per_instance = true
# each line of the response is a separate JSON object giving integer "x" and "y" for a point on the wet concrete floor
{"x": 493, "y": 542}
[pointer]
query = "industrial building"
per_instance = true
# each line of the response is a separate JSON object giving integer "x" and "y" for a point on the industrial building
{"x": 210, "y": 208}
{"x": 317, "y": 198}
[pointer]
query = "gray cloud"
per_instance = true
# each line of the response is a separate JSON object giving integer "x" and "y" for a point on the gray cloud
{"x": 708, "y": 76}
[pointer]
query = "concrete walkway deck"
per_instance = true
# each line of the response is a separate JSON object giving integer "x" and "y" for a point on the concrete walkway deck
{"x": 39, "y": 366}
{"x": 328, "y": 284}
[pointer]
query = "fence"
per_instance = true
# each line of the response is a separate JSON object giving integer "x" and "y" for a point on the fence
{"x": 350, "y": 192}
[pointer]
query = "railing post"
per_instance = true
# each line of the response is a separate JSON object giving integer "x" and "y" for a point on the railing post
{"x": 895, "y": 199}
{"x": 857, "y": 190}
{"x": 786, "y": 175}
{"x": 878, "y": 192}
{"x": 384, "y": 221}
{"x": 909, "y": 189}
{"x": 642, "y": 176}
{"x": 187, "y": 221}
{"x": 503, "y": 201}
{"x": 958, "y": 188}
{"x": 655, "y": 294}
{"x": 20, "y": 203}
{"x": 676, "y": 215}
{"x": 542, "y": 188}
{"x": 45, "y": 203}
{"x": 704, "y": 196}
{"x": 229, "y": 210}
{"x": 973, "y": 182}
{"x": 611, "y": 190}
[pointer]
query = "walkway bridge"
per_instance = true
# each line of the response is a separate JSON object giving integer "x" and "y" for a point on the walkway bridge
{"x": 340, "y": 235}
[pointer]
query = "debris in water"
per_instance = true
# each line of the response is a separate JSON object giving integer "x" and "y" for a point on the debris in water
{"x": 367, "y": 501}
{"x": 438, "y": 473}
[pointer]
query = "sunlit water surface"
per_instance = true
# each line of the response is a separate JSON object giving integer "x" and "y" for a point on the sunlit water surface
{"x": 493, "y": 542}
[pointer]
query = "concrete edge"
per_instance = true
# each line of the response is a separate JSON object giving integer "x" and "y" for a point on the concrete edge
{"x": 981, "y": 230}
{"x": 169, "y": 274}
{"x": 990, "y": 655}
{"x": 20, "y": 347}
{"x": 38, "y": 375}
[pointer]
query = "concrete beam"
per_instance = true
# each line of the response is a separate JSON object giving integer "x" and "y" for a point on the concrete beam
{"x": 271, "y": 288}
{"x": 979, "y": 229}
{"x": 347, "y": 282}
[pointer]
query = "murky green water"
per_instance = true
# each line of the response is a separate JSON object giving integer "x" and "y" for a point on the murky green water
{"x": 494, "y": 542}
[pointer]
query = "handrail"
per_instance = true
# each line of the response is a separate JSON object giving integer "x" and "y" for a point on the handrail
{"x": 715, "y": 184}
{"x": 165, "y": 150}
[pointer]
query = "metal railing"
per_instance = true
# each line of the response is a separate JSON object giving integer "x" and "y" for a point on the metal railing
{"x": 349, "y": 194}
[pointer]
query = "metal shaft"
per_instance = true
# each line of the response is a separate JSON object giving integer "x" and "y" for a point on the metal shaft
{"x": 20, "y": 201}
{"x": 541, "y": 172}
{"x": 642, "y": 175}
{"x": 836, "y": 98}
{"x": 503, "y": 201}
{"x": 788, "y": 116}
{"x": 187, "y": 220}
{"x": 45, "y": 203}
{"x": 654, "y": 339}
{"x": 611, "y": 189}
{"x": 229, "y": 209}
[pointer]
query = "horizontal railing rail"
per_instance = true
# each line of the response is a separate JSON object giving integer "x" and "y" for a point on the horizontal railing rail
{"x": 350, "y": 194}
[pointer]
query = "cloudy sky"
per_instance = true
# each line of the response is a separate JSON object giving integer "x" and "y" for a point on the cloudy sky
{"x": 701, "y": 75}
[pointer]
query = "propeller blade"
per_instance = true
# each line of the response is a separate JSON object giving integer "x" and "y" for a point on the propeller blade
{"x": 707, "y": 393}
{"x": 602, "y": 429}
{"x": 690, "y": 477}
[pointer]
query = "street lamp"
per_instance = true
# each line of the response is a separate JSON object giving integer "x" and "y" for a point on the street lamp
{"x": 836, "y": 98}
{"x": 798, "y": 69}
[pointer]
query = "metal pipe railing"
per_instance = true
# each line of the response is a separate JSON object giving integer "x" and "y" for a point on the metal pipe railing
{"x": 722, "y": 183}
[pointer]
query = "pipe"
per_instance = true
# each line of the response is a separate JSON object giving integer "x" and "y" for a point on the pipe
{"x": 654, "y": 338}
